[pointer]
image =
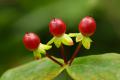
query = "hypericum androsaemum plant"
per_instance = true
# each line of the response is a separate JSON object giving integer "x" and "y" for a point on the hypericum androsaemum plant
{"x": 94, "y": 67}
{"x": 57, "y": 28}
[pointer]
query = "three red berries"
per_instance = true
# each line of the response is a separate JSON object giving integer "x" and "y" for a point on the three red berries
{"x": 31, "y": 41}
{"x": 57, "y": 28}
{"x": 87, "y": 26}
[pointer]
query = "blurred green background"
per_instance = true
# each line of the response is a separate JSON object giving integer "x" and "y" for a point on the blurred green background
{"x": 20, "y": 16}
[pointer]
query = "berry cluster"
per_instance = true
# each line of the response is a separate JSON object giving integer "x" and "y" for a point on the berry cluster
{"x": 57, "y": 28}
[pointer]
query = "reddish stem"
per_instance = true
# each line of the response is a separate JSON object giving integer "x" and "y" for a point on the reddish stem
{"x": 75, "y": 53}
{"x": 54, "y": 60}
{"x": 63, "y": 55}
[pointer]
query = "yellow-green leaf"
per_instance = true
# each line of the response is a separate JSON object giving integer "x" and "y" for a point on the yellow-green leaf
{"x": 43, "y": 69}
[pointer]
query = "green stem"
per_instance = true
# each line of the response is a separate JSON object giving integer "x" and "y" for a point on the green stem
{"x": 75, "y": 53}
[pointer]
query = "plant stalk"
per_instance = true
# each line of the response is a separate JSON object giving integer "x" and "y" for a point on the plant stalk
{"x": 63, "y": 55}
{"x": 54, "y": 60}
{"x": 75, "y": 53}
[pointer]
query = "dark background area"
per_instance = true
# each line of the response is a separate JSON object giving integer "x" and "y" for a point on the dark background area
{"x": 20, "y": 16}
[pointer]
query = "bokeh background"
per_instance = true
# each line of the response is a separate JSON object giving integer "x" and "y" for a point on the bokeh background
{"x": 20, "y": 16}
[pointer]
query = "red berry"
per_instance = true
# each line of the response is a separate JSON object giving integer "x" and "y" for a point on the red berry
{"x": 57, "y": 27}
{"x": 87, "y": 26}
{"x": 31, "y": 41}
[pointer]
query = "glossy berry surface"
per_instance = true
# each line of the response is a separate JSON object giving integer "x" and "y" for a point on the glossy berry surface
{"x": 57, "y": 27}
{"x": 87, "y": 26}
{"x": 31, "y": 41}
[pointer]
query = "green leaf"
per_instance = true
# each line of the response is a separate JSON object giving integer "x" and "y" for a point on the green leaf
{"x": 43, "y": 69}
{"x": 86, "y": 41}
{"x": 96, "y": 67}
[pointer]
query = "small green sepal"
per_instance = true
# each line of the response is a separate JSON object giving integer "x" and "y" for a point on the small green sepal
{"x": 79, "y": 37}
{"x": 41, "y": 50}
{"x": 73, "y": 34}
{"x": 57, "y": 42}
{"x": 86, "y": 41}
{"x": 37, "y": 55}
{"x": 51, "y": 41}
{"x": 64, "y": 39}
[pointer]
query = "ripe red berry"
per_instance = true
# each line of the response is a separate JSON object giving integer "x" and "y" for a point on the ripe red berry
{"x": 31, "y": 41}
{"x": 87, "y": 26}
{"x": 57, "y": 27}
